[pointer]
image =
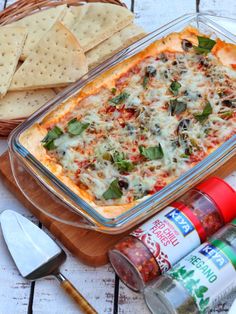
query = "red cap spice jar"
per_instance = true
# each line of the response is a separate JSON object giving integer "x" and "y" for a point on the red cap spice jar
{"x": 162, "y": 241}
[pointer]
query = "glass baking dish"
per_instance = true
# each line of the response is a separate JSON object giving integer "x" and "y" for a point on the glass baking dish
{"x": 53, "y": 198}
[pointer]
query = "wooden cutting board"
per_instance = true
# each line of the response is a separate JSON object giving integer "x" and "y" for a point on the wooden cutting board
{"x": 90, "y": 247}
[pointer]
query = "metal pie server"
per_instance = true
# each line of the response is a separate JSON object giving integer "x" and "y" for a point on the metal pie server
{"x": 36, "y": 255}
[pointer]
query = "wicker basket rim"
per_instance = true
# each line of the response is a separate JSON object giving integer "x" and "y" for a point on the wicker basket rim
{"x": 23, "y": 8}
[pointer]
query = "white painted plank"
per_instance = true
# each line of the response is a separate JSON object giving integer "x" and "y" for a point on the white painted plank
{"x": 152, "y": 14}
{"x": 7, "y": 199}
{"x": 96, "y": 285}
{"x": 14, "y": 293}
{"x": 3, "y": 146}
{"x": 1, "y": 4}
{"x": 14, "y": 290}
{"x": 9, "y": 2}
{"x": 225, "y": 8}
{"x": 131, "y": 302}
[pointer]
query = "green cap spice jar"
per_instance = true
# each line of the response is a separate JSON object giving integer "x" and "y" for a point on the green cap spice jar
{"x": 199, "y": 280}
{"x": 162, "y": 241}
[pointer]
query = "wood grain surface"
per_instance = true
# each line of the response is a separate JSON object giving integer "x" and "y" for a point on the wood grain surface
{"x": 98, "y": 285}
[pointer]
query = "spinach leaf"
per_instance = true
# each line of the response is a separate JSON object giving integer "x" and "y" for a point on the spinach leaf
{"x": 113, "y": 192}
{"x": 120, "y": 98}
{"x": 53, "y": 134}
{"x": 202, "y": 117}
{"x": 75, "y": 127}
{"x": 177, "y": 107}
{"x": 174, "y": 87}
{"x": 205, "y": 45}
{"x": 152, "y": 153}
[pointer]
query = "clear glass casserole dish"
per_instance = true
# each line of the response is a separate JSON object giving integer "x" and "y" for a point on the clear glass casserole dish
{"x": 72, "y": 209}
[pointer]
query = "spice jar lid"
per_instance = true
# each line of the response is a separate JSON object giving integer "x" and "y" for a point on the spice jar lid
{"x": 222, "y": 194}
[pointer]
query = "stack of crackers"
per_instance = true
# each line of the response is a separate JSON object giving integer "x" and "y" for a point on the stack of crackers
{"x": 55, "y": 47}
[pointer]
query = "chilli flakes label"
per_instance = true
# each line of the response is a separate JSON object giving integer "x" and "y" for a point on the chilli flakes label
{"x": 169, "y": 236}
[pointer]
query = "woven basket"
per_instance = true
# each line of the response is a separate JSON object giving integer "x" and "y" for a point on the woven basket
{"x": 20, "y": 9}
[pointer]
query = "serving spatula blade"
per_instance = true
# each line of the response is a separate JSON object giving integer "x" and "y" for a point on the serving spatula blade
{"x": 29, "y": 246}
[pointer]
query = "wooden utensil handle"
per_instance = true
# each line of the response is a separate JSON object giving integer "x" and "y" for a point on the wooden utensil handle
{"x": 75, "y": 294}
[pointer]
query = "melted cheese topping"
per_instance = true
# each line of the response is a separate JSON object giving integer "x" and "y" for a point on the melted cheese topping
{"x": 145, "y": 118}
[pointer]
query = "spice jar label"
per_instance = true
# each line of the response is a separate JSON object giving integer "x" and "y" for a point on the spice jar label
{"x": 169, "y": 236}
{"x": 208, "y": 273}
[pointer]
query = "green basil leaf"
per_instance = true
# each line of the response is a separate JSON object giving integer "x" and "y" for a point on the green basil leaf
{"x": 124, "y": 165}
{"x": 149, "y": 72}
{"x": 121, "y": 163}
{"x": 152, "y": 153}
{"x": 113, "y": 90}
{"x": 113, "y": 192}
{"x": 177, "y": 107}
{"x": 145, "y": 82}
{"x": 202, "y": 117}
{"x": 184, "y": 156}
{"x": 117, "y": 156}
{"x": 174, "y": 87}
{"x": 226, "y": 114}
{"x": 53, "y": 134}
{"x": 75, "y": 127}
{"x": 120, "y": 98}
{"x": 205, "y": 45}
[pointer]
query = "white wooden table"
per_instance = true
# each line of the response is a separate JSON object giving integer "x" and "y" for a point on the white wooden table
{"x": 99, "y": 285}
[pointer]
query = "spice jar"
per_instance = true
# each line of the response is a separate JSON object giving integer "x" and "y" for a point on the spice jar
{"x": 162, "y": 241}
{"x": 200, "y": 280}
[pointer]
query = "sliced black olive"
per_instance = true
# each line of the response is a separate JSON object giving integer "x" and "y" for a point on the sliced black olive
{"x": 204, "y": 63}
{"x": 186, "y": 93}
{"x": 186, "y": 45}
{"x": 151, "y": 71}
{"x": 123, "y": 184}
{"x": 163, "y": 57}
{"x": 175, "y": 143}
{"x": 188, "y": 150}
{"x": 229, "y": 103}
{"x": 130, "y": 128}
{"x": 177, "y": 107}
{"x": 183, "y": 125}
{"x": 166, "y": 74}
{"x": 156, "y": 130}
